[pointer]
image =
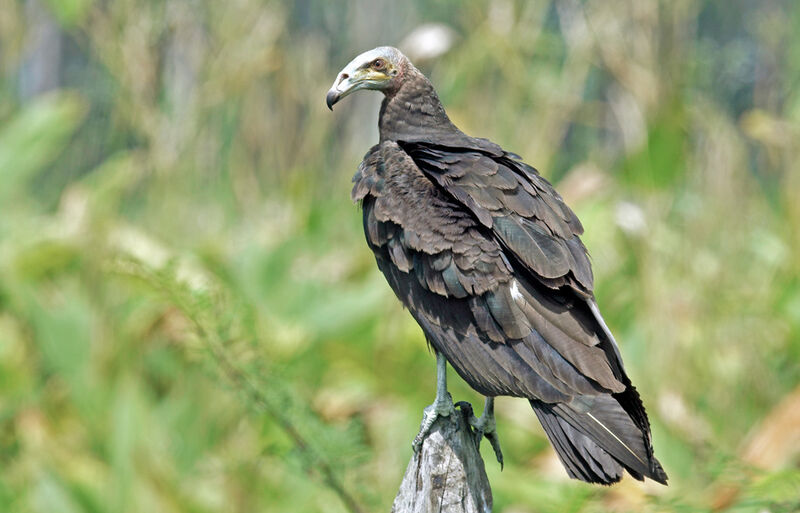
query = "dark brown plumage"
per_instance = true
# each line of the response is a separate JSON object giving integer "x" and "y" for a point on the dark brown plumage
{"x": 487, "y": 257}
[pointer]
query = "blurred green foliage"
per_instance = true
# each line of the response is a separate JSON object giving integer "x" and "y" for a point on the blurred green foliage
{"x": 190, "y": 319}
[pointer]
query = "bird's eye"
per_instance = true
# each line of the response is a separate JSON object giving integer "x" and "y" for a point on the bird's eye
{"x": 378, "y": 64}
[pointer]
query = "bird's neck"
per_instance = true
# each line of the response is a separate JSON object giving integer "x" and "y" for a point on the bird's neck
{"x": 413, "y": 111}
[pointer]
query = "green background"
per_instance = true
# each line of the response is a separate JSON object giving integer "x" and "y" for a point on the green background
{"x": 190, "y": 319}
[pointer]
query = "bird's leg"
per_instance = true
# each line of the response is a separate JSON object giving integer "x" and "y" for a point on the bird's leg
{"x": 442, "y": 406}
{"x": 485, "y": 426}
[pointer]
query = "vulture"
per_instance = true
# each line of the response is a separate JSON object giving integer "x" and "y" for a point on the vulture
{"x": 488, "y": 259}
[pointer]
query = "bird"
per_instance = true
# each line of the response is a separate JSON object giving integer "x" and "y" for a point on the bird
{"x": 487, "y": 257}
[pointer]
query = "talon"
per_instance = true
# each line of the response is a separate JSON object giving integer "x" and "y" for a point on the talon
{"x": 498, "y": 452}
{"x": 484, "y": 426}
{"x": 441, "y": 407}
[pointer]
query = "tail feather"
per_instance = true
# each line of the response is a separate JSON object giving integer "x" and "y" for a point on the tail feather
{"x": 582, "y": 458}
{"x": 596, "y": 439}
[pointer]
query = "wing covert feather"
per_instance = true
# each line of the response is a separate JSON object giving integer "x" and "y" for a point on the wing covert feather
{"x": 524, "y": 211}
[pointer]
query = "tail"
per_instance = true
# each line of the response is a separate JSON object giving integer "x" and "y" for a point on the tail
{"x": 597, "y": 437}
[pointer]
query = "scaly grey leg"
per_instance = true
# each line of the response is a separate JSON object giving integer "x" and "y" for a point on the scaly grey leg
{"x": 442, "y": 406}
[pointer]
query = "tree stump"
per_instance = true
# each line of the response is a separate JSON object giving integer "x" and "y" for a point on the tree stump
{"x": 447, "y": 474}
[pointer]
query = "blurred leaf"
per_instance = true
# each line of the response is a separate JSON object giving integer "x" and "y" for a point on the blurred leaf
{"x": 780, "y": 491}
{"x": 660, "y": 163}
{"x": 62, "y": 331}
{"x": 50, "y": 495}
{"x": 47, "y": 258}
{"x": 122, "y": 443}
{"x": 776, "y": 440}
{"x": 69, "y": 12}
{"x": 34, "y": 138}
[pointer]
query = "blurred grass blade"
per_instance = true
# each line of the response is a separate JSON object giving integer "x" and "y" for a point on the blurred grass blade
{"x": 69, "y": 12}
{"x": 35, "y": 137}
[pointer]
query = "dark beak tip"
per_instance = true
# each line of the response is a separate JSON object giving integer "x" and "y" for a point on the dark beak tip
{"x": 331, "y": 98}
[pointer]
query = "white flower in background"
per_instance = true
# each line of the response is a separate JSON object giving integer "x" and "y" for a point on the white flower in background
{"x": 428, "y": 41}
{"x": 630, "y": 218}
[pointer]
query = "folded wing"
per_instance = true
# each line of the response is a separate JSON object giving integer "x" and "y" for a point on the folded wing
{"x": 487, "y": 258}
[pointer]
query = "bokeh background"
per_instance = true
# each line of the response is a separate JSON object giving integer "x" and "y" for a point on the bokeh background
{"x": 190, "y": 319}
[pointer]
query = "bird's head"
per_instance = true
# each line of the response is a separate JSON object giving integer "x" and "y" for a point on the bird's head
{"x": 379, "y": 69}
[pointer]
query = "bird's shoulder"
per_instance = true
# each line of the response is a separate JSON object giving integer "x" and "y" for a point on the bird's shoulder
{"x": 526, "y": 214}
{"x": 422, "y": 229}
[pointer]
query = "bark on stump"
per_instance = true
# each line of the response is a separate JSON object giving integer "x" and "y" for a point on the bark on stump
{"x": 447, "y": 474}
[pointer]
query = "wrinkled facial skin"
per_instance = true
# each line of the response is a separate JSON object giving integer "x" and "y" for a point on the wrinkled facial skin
{"x": 375, "y": 69}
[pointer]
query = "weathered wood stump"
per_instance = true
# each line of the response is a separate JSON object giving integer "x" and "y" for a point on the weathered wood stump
{"x": 447, "y": 474}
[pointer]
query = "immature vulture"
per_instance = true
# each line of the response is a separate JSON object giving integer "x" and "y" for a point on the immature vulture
{"x": 487, "y": 257}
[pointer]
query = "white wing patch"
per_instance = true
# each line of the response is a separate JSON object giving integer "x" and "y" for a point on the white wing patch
{"x": 515, "y": 293}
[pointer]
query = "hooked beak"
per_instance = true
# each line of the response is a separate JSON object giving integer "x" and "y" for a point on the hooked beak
{"x": 343, "y": 86}
{"x": 353, "y": 79}
{"x": 332, "y": 97}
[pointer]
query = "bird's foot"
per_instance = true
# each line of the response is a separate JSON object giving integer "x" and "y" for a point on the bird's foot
{"x": 441, "y": 407}
{"x": 483, "y": 426}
